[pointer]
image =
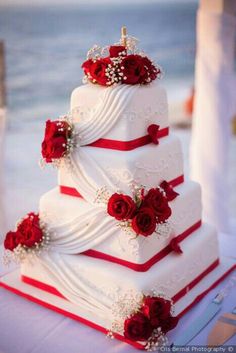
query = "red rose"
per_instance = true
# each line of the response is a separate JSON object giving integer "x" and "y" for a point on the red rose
{"x": 115, "y": 50}
{"x": 156, "y": 309}
{"x": 133, "y": 69}
{"x": 87, "y": 65}
{"x": 55, "y": 140}
{"x": 30, "y": 230}
{"x": 159, "y": 204}
{"x": 11, "y": 241}
{"x": 96, "y": 70}
{"x": 137, "y": 328}
{"x": 169, "y": 323}
{"x": 144, "y": 222}
{"x": 53, "y": 149}
{"x": 138, "y": 69}
{"x": 152, "y": 71}
{"x": 56, "y": 128}
{"x": 121, "y": 207}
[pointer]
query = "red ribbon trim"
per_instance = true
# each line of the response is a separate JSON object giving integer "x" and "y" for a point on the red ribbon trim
{"x": 74, "y": 192}
{"x": 200, "y": 296}
{"x": 177, "y": 181}
{"x": 145, "y": 266}
{"x": 95, "y": 326}
{"x": 67, "y": 190}
{"x": 43, "y": 286}
{"x": 128, "y": 145}
{"x": 196, "y": 280}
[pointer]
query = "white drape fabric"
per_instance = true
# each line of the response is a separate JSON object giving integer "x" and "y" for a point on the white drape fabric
{"x": 82, "y": 233}
{"x": 94, "y": 225}
{"x": 113, "y": 103}
{"x": 214, "y": 107}
{"x": 71, "y": 281}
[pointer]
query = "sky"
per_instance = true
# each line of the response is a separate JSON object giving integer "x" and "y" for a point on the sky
{"x": 78, "y": 2}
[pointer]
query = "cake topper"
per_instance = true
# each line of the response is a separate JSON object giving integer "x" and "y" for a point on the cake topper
{"x": 123, "y": 36}
{"x": 129, "y": 42}
{"x": 121, "y": 63}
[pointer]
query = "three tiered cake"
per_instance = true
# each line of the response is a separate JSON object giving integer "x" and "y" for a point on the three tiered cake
{"x": 119, "y": 242}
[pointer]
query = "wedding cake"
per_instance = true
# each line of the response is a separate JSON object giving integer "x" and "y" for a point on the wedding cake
{"x": 119, "y": 242}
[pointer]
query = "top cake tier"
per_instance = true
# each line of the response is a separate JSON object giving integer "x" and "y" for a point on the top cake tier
{"x": 133, "y": 108}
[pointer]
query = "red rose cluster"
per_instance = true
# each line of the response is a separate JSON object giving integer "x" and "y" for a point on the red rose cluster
{"x": 144, "y": 214}
{"x": 28, "y": 233}
{"x": 55, "y": 143}
{"x": 155, "y": 312}
{"x": 120, "y": 67}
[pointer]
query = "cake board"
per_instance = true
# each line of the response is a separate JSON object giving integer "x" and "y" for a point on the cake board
{"x": 12, "y": 282}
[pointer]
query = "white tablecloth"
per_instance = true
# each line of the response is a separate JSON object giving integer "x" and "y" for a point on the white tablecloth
{"x": 28, "y": 328}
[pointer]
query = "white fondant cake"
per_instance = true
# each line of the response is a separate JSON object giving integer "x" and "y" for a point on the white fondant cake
{"x": 75, "y": 228}
{"x": 122, "y": 217}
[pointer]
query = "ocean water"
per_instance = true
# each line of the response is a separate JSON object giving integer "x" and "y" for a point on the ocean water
{"x": 45, "y": 47}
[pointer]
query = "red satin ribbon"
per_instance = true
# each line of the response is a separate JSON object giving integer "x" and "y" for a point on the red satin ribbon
{"x": 74, "y": 192}
{"x": 145, "y": 266}
{"x": 196, "y": 280}
{"x": 52, "y": 290}
{"x": 42, "y": 286}
{"x": 200, "y": 296}
{"x": 128, "y": 145}
{"x": 69, "y": 191}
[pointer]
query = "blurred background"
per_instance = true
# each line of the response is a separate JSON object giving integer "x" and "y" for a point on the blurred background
{"x": 45, "y": 44}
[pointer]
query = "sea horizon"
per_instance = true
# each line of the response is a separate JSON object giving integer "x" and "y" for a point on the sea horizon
{"x": 46, "y": 45}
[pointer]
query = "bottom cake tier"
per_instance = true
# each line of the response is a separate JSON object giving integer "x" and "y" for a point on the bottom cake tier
{"x": 86, "y": 289}
{"x": 96, "y": 284}
{"x": 42, "y": 295}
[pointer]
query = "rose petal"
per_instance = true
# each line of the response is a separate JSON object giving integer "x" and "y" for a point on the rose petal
{"x": 116, "y": 50}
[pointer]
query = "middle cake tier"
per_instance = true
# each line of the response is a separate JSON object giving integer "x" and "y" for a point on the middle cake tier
{"x": 147, "y": 165}
{"x": 64, "y": 213}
